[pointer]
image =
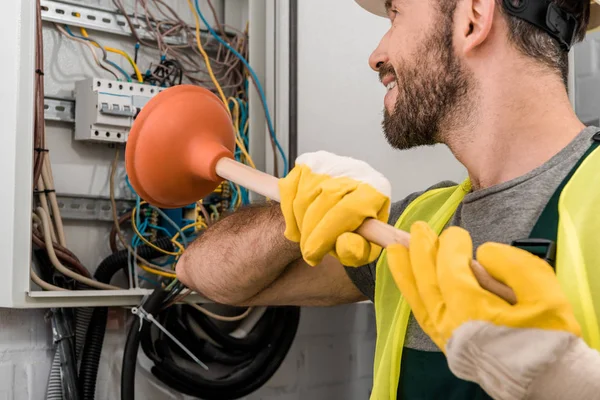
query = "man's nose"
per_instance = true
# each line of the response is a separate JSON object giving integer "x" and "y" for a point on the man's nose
{"x": 379, "y": 57}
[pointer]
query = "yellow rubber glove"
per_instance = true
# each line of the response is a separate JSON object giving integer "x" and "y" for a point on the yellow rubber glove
{"x": 325, "y": 198}
{"x": 505, "y": 348}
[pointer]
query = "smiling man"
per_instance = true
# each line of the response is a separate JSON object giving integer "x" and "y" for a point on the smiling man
{"x": 487, "y": 78}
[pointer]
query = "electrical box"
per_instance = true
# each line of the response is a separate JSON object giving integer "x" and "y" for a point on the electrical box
{"x": 105, "y": 109}
{"x": 88, "y": 113}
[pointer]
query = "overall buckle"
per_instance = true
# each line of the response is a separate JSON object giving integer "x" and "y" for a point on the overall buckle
{"x": 543, "y": 248}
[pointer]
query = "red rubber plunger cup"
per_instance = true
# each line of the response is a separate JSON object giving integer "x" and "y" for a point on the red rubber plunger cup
{"x": 175, "y": 144}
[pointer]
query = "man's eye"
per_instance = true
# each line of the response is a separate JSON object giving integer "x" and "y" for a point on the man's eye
{"x": 393, "y": 13}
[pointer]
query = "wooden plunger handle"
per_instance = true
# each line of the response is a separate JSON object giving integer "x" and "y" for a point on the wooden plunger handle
{"x": 373, "y": 230}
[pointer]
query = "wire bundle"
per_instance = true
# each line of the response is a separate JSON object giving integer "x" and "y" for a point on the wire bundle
{"x": 163, "y": 24}
{"x": 242, "y": 365}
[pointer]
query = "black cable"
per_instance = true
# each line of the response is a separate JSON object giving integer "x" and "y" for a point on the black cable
{"x": 177, "y": 370}
{"x": 208, "y": 351}
{"x": 254, "y": 340}
{"x": 63, "y": 336}
{"x": 94, "y": 341}
{"x": 151, "y": 306}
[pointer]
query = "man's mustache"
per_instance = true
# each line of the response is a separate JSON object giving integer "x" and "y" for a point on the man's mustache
{"x": 386, "y": 70}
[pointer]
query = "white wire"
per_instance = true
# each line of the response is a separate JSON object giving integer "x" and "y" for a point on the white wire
{"x": 42, "y": 219}
{"x": 42, "y": 283}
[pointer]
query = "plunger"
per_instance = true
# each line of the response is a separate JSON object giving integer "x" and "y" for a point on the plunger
{"x": 180, "y": 150}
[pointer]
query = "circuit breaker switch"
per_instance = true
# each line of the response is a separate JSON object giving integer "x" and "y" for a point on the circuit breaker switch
{"x": 105, "y": 109}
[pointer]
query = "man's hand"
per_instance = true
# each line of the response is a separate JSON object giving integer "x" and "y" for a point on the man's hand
{"x": 325, "y": 199}
{"x": 506, "y": 349}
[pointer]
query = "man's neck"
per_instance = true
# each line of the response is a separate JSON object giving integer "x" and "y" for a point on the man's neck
{"x": 514, "y": 130}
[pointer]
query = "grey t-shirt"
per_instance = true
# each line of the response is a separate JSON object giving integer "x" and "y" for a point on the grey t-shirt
{"x": 502, "y": 213}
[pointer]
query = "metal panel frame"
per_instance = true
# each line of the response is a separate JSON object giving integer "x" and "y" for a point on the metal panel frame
{"x": 59, "y": 110}
{"x": 93, "y": 18}
{"x": 16, "y": 160}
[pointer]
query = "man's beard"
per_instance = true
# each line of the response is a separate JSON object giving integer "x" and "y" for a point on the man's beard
{"x": 432, "y": 93}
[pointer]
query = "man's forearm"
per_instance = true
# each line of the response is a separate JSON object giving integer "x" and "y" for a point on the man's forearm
{"x": 239, "y": 256}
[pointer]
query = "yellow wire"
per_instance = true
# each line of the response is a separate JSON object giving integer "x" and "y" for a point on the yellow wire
{"x": 238, "y": 201}
{"x": 157, "y": 272}
{"x": 238, "y": 139}
{"x": 138, "y": 74}
{"x": 236, "y": 113}
{"x": 148, "y": 243}
{"x": 196, "y": 224}
{"x": 206, "y": 59}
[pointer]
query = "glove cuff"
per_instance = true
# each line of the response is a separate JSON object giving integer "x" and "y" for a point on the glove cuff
{"x": 505, "y": 362}
{"x": 576, "y": 375}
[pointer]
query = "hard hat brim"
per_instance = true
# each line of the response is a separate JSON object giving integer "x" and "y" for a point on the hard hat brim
{"x": 376, "y": 7}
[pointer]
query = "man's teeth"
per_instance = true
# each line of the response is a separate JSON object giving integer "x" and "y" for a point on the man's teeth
{"x": 391, "y": 85}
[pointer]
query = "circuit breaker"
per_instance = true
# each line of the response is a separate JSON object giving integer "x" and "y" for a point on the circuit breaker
{"x": 105, "y": 109}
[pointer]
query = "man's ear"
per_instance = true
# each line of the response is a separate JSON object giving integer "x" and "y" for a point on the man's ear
{"x": 473, "y": 20}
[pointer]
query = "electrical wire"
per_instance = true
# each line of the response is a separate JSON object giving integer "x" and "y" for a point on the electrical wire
{"x": 138, "y": 74}
{"x": 256, "y": 81}
{"x": 238, "y": 138}
{"x": 158, "y": 272}
{"x": 184, "y": 238}
{"x": 148, "y": 243}
{"x": 41, "y": 218}
{"x": 49, "y": 185}
{"x": 226, "y": 67}
{"x": 206, "y": 59}
{"x": 116, "y": 218}
{"x": 39, "y": 134}
{"x": 113, "y": 232}
{"x": 43, "y": 284}
{"x": 217, "y": 316}
{"x": 63, "y": 254}
{"x": 104, "y": 54}
{"x": 41, "y": 189}
{"x": 89, "y": 45}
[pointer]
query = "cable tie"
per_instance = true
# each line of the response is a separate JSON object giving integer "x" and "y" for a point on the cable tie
{"x": 39, "y": 72}
{"x": 41, "y": 150}
{"x": 144, "y": 315}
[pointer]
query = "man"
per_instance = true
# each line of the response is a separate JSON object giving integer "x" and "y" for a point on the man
{"x": 466, "y": 73}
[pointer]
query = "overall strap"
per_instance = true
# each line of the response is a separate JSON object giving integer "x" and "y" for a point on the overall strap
{"x": 542, "y": 239}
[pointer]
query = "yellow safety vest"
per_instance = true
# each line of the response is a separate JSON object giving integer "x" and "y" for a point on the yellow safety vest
{"x": 577, "y": 265}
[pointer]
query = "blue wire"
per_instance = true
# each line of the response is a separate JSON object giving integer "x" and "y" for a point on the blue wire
{"x": 138, "y": 205}
{"x": 160, "y": 228}
{"x": 121, "y": 70}
{"x": 138, "y": 201}
{"x": 136, "y": 241}
{"x": 129, "y": 185}
{"x": 256, "y": 80}
{"x": 234, "y": 196}
{"x": 173, "y": 224}
{"x": 244, "y": 112}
